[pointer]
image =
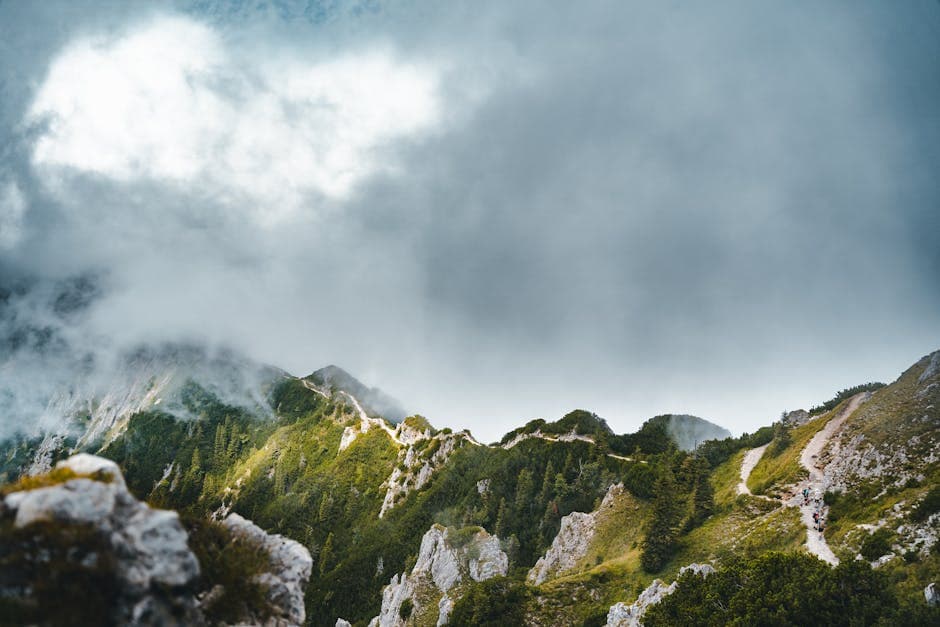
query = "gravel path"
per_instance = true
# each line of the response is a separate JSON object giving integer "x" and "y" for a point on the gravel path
{"x": 815, "y": 484}
{"x": 750, "y": 460}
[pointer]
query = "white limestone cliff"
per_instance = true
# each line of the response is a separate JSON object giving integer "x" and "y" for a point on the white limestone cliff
{"x": 571, "y": 544}
{"x": 446, "y": 559}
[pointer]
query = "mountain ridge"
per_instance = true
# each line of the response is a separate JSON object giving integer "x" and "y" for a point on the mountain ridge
{"x": 360, "y": 493}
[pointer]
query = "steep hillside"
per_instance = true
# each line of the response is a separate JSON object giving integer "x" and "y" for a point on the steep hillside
{"x": 574, "y": 519}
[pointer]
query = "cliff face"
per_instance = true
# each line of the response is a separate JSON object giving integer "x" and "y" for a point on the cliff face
{"x": 573, "y": 541}
{"x": 78, "y": 531}
{"x": 448, "y": 558}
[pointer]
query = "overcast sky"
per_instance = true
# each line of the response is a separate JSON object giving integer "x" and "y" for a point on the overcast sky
{"x": 494, "y": 211}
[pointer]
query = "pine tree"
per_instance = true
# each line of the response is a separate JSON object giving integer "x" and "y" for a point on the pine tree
{"x": 524, "y": 488}
{"x": 326, "y": 554}
{"x": 782, "y": 438}
{"x": 547, "y": 527}
{"x": 562, "y": 489}
{"x": 218, "y": 451}
{"x": 232, "y": 450}
{"x": 660, "y": 542}
{"x": 685, "y": 478}
{"x": 703, "y": 495}
{"x": 569, "y": 468}
{"x": 192, "y": 480}
{"x": 280, "y": 479}
{"x": 548, "y": 483}
{"x": 501, "y": 519}
{"x": 325, "y": 513}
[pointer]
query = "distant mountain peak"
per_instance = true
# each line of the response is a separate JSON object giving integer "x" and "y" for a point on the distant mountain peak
{"x": 375, "y": 401}
{"x": 689, "y": 431}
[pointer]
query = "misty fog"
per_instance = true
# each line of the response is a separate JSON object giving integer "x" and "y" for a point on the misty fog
{"x": 723, "y": 211}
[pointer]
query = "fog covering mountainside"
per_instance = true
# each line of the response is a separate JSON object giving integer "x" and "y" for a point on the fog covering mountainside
{"x": 560, "y": 523}
{"x": 690, "y": 431}
{"x": 373, "y": 400}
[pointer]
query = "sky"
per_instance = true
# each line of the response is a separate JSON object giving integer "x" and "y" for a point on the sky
{"x": 494, "y": 211}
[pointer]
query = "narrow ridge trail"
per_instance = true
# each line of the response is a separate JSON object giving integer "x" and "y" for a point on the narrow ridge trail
{"x": 814, "y": 485}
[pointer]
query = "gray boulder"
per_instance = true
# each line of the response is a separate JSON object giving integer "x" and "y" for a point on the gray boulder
{"x": 289, "y": 572}
{"x": 155, "y": 573}
{"x": 150, "y": 547}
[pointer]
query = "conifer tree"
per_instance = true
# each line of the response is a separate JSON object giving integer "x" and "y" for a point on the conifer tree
{"x": 326, "y": 554}
{"x": 192, "y": 480}
{"x": 218, "y": 450}
{"x": 548, "y": 483}
{"x": 501, "y": 519}
{"x": 703, "y": 495}
{"x": 524, "y": 487}
{"x": 661, "y": 536}
{"x": 325, "y": 513}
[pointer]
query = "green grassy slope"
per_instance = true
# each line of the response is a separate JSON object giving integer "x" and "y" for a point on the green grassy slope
{"x": 287, "y": 473}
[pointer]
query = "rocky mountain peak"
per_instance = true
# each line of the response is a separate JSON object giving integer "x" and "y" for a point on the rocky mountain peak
{"x": 373, "y": 400}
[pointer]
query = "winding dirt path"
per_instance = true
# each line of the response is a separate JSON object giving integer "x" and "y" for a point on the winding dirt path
{"x": 815, "y": 484}
{"x": 366, "y": 422}
{"x": 747, "y": 465}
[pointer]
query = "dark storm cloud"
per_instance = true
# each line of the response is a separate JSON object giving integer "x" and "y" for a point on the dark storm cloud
{"x": 635, "y": 208}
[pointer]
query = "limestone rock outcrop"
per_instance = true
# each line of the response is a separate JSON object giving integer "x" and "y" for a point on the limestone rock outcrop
{"x": 571, "y": 544}
{"x": 140, "y": 554}
{"x": 287, "y": 577}
{"x": 149, "y": 546}
{"x": 447, "y": 559}
{"x": 624, "y": 615}
{"x": 419, "y": 460}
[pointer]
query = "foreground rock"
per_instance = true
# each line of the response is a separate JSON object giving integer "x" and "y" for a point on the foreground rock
{"x": 447, "y": 559}
{"x": 154, "y": 570}
{"x": 81, "y": 547}
{"x": 623, "y": 615}
{"x": 287, "y": 576}
{"x": 571, "y": 544}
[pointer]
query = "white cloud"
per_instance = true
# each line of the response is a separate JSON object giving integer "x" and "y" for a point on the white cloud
{"x": 170, "y": 102}
{"x": 12, "y": 208}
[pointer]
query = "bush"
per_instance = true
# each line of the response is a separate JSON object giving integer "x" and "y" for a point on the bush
{"x": 406, "y": 608}
{"x": 876, "y": 545}
{"x": 231, "y": 562}
{"x": 55, "y": 574}
{"x": 778, "y": 589}
{"x": 494, "y": 602}
{"x": 844, "y": 394}
{"x": 927, "y": 507}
